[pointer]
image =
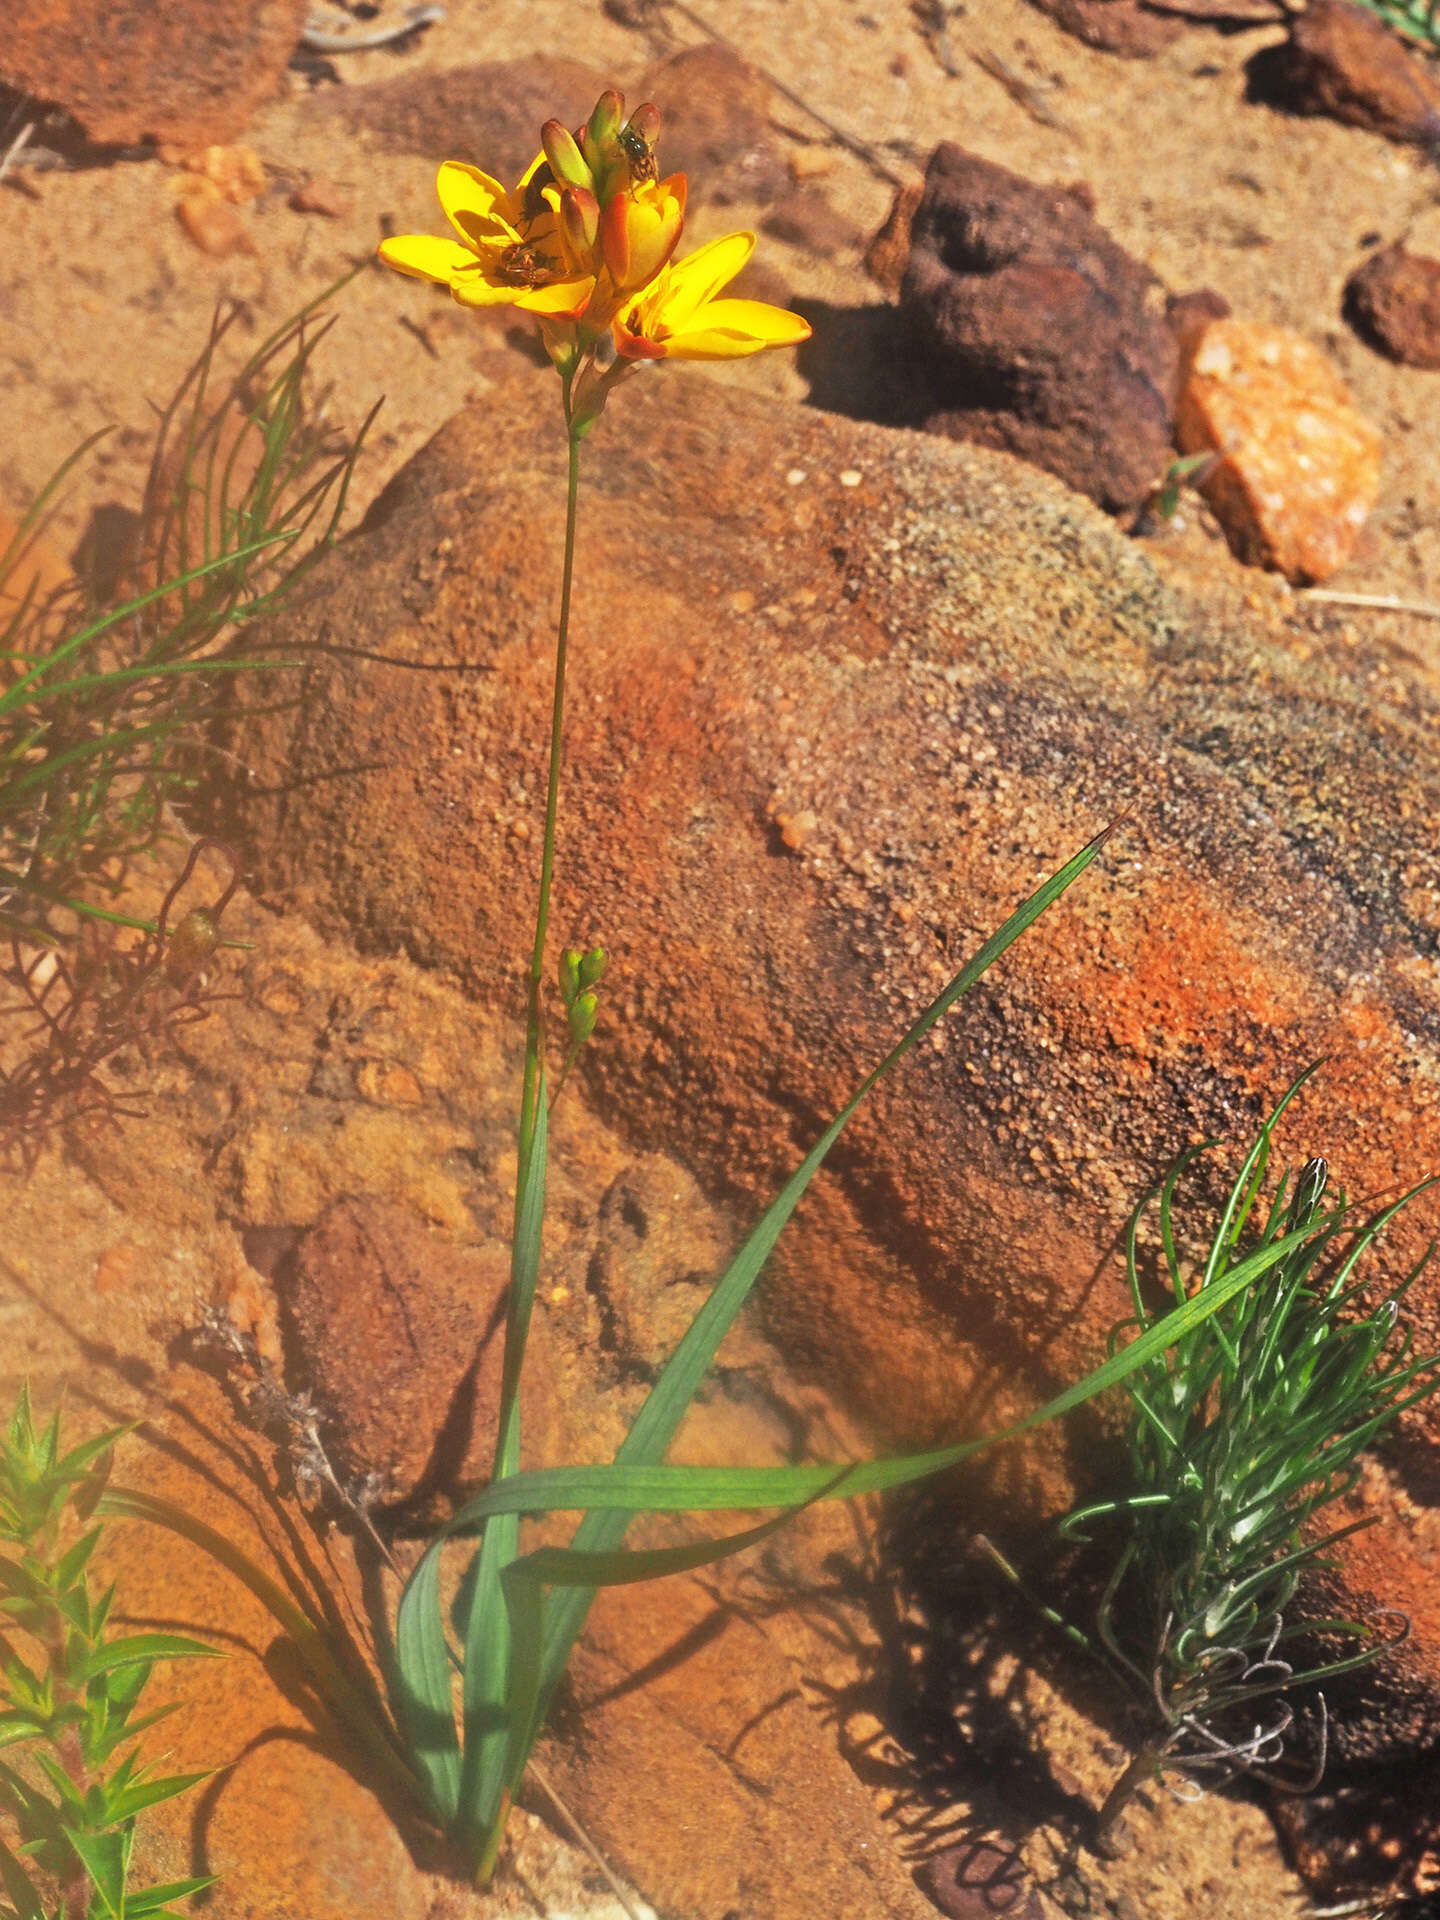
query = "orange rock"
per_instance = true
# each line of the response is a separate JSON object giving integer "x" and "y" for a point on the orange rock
{"x": 211, "y": 221}
{"x": 1300, "y": 467}
{"x": 236, "y": 173}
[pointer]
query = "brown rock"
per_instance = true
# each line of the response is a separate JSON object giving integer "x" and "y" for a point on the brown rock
{"x": 188, "y": 72}
{"x": 399, "y": 1335}
{"x": 490, "y": 115}
{"x": 1039, "y": 333}
{"x": 1126, "y": 27}
{"x": 717, "y": 127}
{"x": 977, "y": 671}
{"x": 1394, "y": 300}
{"x": 1344, "y": 62}
{"x": 1300, "y": 468}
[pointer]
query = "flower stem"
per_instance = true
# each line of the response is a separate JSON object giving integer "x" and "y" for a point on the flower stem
{"x": 535, "y": 1030}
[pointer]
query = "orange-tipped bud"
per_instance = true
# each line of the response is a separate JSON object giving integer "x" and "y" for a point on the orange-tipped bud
{"x": 580, "y": 221}
{"x": 567, "y": 163}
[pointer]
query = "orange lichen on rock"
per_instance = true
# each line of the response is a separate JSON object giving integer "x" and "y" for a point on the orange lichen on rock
{"x": 1299, "y": 467}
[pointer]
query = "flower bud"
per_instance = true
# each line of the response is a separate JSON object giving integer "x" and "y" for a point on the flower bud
{"x": 580, "y": 222}
{"x": 570, "y": 974}
{"x": 604, "y": 127}
{"x": 592, "y": 967}
{"x": 615, "y": 240}
{"x": 567, "y": 163}
{"x": 582, "y": 1018}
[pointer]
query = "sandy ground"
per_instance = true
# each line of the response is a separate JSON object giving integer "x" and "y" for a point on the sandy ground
{"x": 104, "y": 299}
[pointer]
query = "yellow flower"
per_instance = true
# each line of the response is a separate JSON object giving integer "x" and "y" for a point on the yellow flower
{"x": 512, "y": 249}
{"x": 677, "y": 317}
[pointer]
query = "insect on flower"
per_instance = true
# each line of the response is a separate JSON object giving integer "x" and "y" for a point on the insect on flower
{"x": 525, "y": 266}
{"x": 639, "y": 154}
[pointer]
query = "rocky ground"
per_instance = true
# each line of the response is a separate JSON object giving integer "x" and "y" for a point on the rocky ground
{"x": 822, "y": 752}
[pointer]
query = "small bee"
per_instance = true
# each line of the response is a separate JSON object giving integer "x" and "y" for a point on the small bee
{"x": 639, "y": 154}
{"x": 524, "y": 266}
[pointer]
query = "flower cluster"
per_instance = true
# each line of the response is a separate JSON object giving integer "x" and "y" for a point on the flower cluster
{"x": 585, "y": 242}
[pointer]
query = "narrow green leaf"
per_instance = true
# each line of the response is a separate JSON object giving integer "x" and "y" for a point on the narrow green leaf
{"x": 150, "y": 1900}
{"x": 485, "y": 1672}
{"x": 106, "y": 1858}
{"x": 426, "y": 1705}
{"x": 131, "y": 1800}
{"x": 148, "y": 1647}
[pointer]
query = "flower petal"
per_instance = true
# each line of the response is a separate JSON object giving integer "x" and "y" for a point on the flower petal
{"x": 562, "y": 299}
{"x": 731, "y": 329}
{"x": 425, "y": 256}
{"x": 476, "y": 205}
{"x": 699, "y": 277}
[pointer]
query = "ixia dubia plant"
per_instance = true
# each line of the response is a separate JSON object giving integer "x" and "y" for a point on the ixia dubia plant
{"x": 586, "y": 243}
{"x": 71, "y": 1785}
{"x": 1241, "y": 1433}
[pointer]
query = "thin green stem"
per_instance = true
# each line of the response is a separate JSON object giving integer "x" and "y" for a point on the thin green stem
{"x": 535, "y": 1034}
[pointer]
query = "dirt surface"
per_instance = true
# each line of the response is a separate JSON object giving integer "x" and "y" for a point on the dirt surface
{"x": 103, "y": 298}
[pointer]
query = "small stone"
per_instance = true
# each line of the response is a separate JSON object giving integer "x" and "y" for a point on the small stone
{"x": 810, "y": 163}
{"x": 236, "y": 173}
{"x": 1125, "y": 27}
{"x": 320, "y": 195}
{"x": 1299, "y": 467}
{"x": 385, "y": 1083}
{"x": 797, "y": 830}
{"x": 212, "y": 223}
{"x": 1394, "y": 301}
{"x": 1345, "y": 63}
{"x": 851, "y": 477}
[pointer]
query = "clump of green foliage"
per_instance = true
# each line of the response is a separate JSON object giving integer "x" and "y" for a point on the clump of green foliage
{"x": 1420, "y": 19}
{"x": 71, "y": 1783}
{"x": 104, "y": 702}
{"x": 106, "y": 699}
{"x": 1242, "y": 1432}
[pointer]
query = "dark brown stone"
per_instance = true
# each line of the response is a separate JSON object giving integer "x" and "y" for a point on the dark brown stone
{"x": 1394, "y": 301}
{"x": 1343, "y": 62}
{"x": 189, "y": 73}
{"x": 1039, "y": 333}
{"x": 1115, "y": 26}
{"x": 399, "y": 1334}
{"x": 717, "y": 127}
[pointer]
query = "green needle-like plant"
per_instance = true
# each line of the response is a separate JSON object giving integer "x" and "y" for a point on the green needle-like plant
{"x": 1420, "y": 19}
{"x": 1242, "y": 1432}
{"x": 71, "y": 1783}
{"x": 104, "y": 704}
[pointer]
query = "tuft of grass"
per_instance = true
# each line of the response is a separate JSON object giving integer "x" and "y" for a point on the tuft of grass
{"x": 71, "y": 1783}
{"x": 104, "y": 704}
{"x": 1243, "y": 1430}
